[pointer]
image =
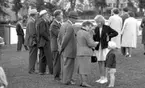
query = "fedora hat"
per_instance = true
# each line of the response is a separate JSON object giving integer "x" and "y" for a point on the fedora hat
{"x": 73, "y": 14}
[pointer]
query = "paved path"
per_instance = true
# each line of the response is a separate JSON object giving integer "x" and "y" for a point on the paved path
{"x": 130, "y": 71}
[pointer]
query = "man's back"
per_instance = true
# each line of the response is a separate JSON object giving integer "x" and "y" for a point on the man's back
{"x": 69, "y": 41}
{"x": 115, "y": 22}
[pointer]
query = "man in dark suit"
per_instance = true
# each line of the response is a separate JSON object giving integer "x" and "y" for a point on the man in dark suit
{"x": 43, "y": 37}
{"x": 20, "y": 34}
{"x": 69, "y": 48}
{"x": 54, "y": 30}
{"x": 30, "y": 40}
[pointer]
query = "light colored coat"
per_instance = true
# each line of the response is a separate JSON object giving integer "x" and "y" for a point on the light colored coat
{"x": 115, "y": 22}
{"x": 85, "y": 43}
{"x": 69, "y": 45}
{"x": 129, "y": 33}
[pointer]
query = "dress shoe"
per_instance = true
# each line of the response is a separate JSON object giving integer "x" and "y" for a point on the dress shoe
{"x": 33, "y": 72}
{"x": 69, "y": 83}
{"x": 85, "y": 85}
{"x": 104, "y": 80}
{"x": 72, "y": 82}
{"x": 98, "y": 81}
{"x": 43, "y": 73}
{"x": 111, "y": 86}
{"x": 57, "y": 79}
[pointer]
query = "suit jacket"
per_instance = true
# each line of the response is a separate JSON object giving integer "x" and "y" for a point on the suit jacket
{"x": 69, "y": 45}
{"x": 19, "y": 29}
{"x": 54, "y": 30}
{"x": 30, "y": 38}
{"x": 61, "y": 33}
{"x": 106, "y": 35}
{"x": 43, "y": 32}
{"x": 85, "y": 43}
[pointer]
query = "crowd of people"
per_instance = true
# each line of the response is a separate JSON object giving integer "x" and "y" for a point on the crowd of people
{"x": 57, "y": 44}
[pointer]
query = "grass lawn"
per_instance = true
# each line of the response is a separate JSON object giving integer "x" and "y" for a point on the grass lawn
{"x": 130, "y": 71}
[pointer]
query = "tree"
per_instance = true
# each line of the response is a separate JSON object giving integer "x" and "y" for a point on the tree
{"x": 73, "y": 3}
{"x": 117, "y": 5}
{"x": 130, "y": 4}
{"x": 141, "y": 5}
{"x": 3, "y": 3}
{"x": 40, "y": 5}
{"x": 16, "y": 7}
{"x": 100, "y": 4}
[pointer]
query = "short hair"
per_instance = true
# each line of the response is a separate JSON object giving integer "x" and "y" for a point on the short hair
{"x": 131, "y": 14}
{"x": 32, "y": 15}
{"x": 125, "y": 9}
{"x": 115, "y": 11}
{"x": 87, "y": 23}
{"x": 100, "y": 18}
{"x": 20, "y": 19}
{"x": 57, "y": 13}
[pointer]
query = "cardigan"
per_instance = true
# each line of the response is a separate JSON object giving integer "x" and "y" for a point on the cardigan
{"x": 106, "y": 35}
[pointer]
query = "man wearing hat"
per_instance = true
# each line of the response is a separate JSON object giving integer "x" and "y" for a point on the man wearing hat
{"x": 54, "y": 30}
{"x": 30, "y": 40}
{"x": 43, "y": 37}
{"x": 69, "y": 48}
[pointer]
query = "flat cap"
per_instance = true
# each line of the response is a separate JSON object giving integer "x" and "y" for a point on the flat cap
{"x": 42, "y": 12}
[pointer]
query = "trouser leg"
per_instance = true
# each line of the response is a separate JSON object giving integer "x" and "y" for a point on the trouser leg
{"x": 123, "y": 51}
{"x": 48, "y": 55}
{"x": 42, "y": 61}
{"x": 32, "y": 58}
{"x": 19, "y": 44}
{"x": 68, "y": 69}
{"x": 56, "y": 64}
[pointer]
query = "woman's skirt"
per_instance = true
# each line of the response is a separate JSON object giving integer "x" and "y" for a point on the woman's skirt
{"x": 101, "y": 54}
{"x": 83, "y": 64}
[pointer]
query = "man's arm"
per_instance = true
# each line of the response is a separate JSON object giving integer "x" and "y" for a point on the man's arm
{"x": 67, "y": 36}
{"x": 54, "y": 29}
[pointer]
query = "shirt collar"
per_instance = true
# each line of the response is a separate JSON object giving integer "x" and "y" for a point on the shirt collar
{"x": 58, "y": 21}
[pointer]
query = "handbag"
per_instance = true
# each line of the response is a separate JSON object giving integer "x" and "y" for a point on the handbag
{"x": 93, "y": 59}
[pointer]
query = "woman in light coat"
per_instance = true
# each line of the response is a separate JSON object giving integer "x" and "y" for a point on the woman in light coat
{"x": 85, "y": 43}
{"x": 129, "y": 34}
{"x": 115, "y": 22}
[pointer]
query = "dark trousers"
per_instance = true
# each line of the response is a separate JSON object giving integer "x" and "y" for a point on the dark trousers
{"x": 56, "y": 64}
{"x": 45, "y": 58}
{"x": 68, "y": 69}
{"x": 20, "y": 43}
{"x": 32, "y": 57}
{"x": 123, "y": 50}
